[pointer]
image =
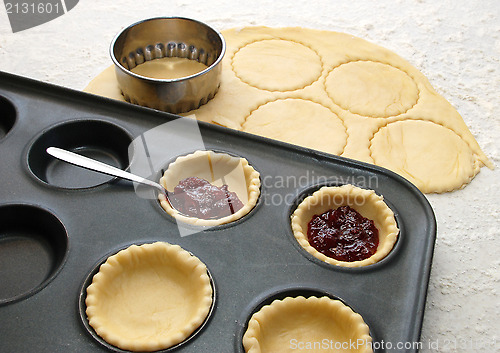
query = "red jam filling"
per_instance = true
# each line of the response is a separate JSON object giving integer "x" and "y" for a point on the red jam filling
{"x": 196, "y": 197}
{"x": 343, "y": 234}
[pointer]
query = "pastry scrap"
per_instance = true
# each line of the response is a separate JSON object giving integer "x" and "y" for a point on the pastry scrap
{"x": 222, "y": 172}
{"x": 149, "y": 297}
{"x": 343, "y": 242}
{"x": 306, "y": 324}
{"x": 339, "y": 94}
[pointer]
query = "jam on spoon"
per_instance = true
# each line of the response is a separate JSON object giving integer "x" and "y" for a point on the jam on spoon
{"x": 196, "y": 197}
{"x": 343, "y": 234}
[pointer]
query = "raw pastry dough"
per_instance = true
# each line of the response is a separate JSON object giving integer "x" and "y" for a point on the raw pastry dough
{"x": 366, "y": 202}
{"x": 339, "y": 94}
{"x": 266, "y": 65}
{"x": 371, "y": 89}
{"x": 302, "y": 324}
{"x": 320, "y": 119}
{"x": 400, "y": 146}
{"x": 149, "y": 297}
{"x": 218, "y": 169}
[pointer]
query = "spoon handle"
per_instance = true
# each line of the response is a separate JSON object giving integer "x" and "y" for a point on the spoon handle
{"x": 92, "y": 164}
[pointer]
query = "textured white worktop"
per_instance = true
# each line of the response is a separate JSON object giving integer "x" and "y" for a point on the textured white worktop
{"x": 456, "y": 44}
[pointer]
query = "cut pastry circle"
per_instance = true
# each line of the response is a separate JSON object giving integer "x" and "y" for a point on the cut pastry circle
{"x": 366, "y": 202}
{"x": 426, "y": 162}
{"x": 149, "y": 297}
{"x": 277, "y": 65}
{"x": 279, "y": 120}
{"x": 371, "y": 89}
{"x": 219, "y": 169}
{"x": 275, "y": 327}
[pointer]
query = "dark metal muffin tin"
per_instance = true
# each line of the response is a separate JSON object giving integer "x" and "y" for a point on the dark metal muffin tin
{"x": 58, "y": 221}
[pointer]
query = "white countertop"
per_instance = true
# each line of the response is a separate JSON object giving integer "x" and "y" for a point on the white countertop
{"x": 456, "y": 44}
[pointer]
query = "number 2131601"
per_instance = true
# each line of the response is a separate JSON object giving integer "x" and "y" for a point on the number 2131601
{"x": 32, "y": 8}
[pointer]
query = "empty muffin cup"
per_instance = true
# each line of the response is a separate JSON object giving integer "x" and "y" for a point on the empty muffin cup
{"x": 167, "y": 38}
{"x": 31, "y": 252}
{"x": 97, "y": 139}
{"x": 7, "y": 117}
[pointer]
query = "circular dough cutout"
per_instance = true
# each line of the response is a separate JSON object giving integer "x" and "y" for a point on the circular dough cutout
{"x": 371, "y": 89}
{"x": 277, "y": 65}
{"x": 299, "y": 122}
{"x": 366, "y": 202}
{"x": 217, "y": 168}
{"x": 425, "y": 153}
{"x": 149, "y": 297}
{"x": 275, "y": 327}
